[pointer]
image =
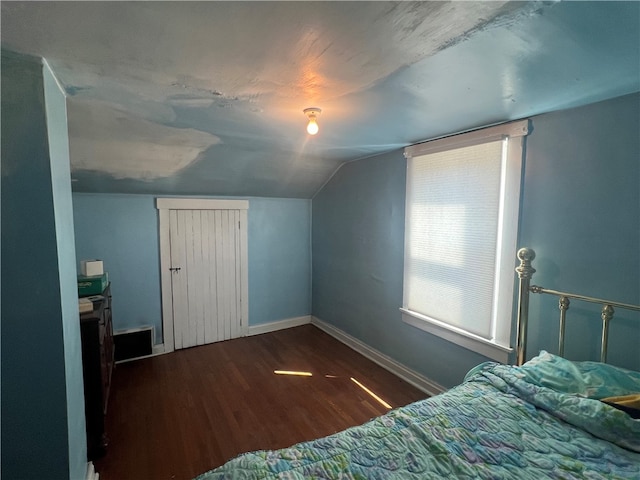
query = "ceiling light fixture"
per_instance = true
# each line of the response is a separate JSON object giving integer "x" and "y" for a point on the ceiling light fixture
{"x": 312, "y": 113}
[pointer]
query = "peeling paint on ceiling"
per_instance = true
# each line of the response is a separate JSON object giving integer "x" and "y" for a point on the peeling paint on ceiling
{"x": 207, "y": 97}
{"x": 134, "y": 148}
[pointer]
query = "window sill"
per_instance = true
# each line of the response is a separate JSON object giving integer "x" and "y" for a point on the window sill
{"x": 458, "y": 336}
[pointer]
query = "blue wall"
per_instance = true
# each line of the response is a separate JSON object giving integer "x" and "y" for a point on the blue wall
{"x": 580, "y": 196}
{"x": 581, "y": 214}
{"x": 122, "y": 230}
{"x": 42, "y": 399}
{"x": 279, "y": 259}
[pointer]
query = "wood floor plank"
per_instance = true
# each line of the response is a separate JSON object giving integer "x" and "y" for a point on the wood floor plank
{"x": 178, "y": 415}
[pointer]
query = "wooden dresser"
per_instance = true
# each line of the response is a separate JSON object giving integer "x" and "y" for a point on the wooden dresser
{"x": 96, "y": 331}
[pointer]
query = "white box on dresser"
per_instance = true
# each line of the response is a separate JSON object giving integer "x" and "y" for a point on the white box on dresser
{"x": 91, "y": 268}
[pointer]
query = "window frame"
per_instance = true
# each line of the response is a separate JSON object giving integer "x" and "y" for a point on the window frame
{"x": 500, "y": 347}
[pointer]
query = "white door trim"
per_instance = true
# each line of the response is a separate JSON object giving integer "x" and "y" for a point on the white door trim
{"x": 163, "y": 206}
{"x": 200, "y": 204}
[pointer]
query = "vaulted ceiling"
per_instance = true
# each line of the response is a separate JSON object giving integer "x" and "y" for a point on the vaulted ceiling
{"x": 206, "y": 98}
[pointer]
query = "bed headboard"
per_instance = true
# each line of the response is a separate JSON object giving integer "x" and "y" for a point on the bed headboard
{"x": 525, "y": 271}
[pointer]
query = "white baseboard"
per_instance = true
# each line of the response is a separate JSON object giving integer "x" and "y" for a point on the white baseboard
{"x": 252, "y": 330}
{"x": 410, "y": 376}
{"x": 279, "y": 325}
{"x": 91, "y": 472}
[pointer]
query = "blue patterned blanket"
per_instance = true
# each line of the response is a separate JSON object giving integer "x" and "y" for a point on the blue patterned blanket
{"x": 541, "y": 420}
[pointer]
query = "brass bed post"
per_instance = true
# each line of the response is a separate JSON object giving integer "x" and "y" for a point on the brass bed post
{"x": 525, "y": 272}
{"x": 607, "y": 315}
{"x": 563, "y": 305}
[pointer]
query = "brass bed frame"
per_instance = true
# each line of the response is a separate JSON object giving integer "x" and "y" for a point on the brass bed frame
{"x": 525, "y": 272}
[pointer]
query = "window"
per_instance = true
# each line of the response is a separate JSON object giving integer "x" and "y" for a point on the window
{"x": 462, "y": 207}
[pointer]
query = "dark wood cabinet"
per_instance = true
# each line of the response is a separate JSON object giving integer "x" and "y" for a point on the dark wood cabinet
{"x": 96, "y": 331}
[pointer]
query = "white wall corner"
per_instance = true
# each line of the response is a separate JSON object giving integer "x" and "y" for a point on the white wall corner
{"x": 278, "y": 325}
{"x": 46, "y": 65}
{"x": 410, "y": 376}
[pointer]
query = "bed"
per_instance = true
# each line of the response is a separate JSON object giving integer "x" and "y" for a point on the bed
{"x": 546, "y": 418}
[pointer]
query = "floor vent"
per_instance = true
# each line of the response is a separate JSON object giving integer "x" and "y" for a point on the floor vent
{"x": 133, "y": 343}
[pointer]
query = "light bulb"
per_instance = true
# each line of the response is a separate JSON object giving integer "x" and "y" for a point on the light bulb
{"x": 312, "y": 113}
{"x": 312, "y": 127}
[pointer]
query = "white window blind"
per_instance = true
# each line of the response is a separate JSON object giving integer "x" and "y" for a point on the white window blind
{"x": 460, "y": 234}
{"x": 453, "y": 218}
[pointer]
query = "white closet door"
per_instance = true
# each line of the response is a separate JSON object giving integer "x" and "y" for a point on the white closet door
{"x": 205, "y": 276}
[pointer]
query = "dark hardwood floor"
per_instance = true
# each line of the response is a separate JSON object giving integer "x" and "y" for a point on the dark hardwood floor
{"x": 178, "y": 415}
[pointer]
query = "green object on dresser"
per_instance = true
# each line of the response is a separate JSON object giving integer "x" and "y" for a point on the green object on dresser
{"x": 93, "y": 285}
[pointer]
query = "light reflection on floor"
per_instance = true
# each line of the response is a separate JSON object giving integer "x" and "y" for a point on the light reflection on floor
{"x": 381, "y": 401}
{"x": 309, "y": 374}
{"x": 292, "y": 372}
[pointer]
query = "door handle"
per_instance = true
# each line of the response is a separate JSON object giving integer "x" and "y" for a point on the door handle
{"x": 175, "y": 269}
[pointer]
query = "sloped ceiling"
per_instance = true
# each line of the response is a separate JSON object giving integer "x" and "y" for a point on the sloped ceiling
{"x": 206, "y": 98}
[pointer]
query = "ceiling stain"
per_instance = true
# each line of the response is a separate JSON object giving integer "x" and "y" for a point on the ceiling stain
{"x": 139, "y": 149}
